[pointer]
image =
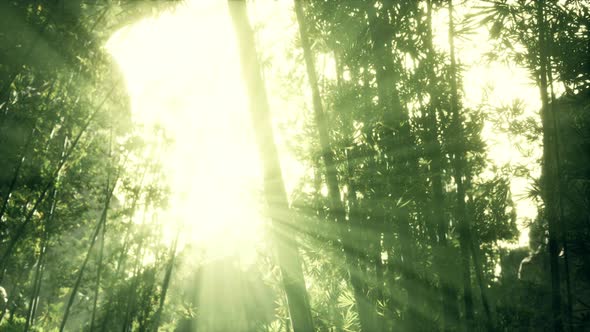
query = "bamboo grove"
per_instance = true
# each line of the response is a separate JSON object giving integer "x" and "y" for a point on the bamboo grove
{"x": 402, "y": 222}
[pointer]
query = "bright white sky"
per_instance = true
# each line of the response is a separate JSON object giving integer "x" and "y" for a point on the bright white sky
{"x": 182, "y": 70}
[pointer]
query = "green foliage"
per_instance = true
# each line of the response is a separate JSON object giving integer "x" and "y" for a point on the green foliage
{"x": 417, "y": 187}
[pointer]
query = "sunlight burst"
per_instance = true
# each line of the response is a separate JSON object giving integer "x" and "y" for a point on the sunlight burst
{"x": 182, "y": 73}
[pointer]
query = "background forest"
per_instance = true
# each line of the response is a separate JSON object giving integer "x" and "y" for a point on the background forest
{"x": 421, "y": 202}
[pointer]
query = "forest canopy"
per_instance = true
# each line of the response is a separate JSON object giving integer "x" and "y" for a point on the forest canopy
{"x": 301, "y": 165}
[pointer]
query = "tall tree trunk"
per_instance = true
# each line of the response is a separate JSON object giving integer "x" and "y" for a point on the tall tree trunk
{"x": 364, "y": 306}
{"x": 562, "y": 226}
{"x": 440, "y": 222}
{"x": 331, "y": 176}
{"x": 478, "y": 267}
{"x": 130, "y": 311}
{"x": 397, "y": 139}
{"x": 126, "y": 239}
{"x": 374, "y": 227}
{"x": 166, "y": 283}
{"x": 458, "y": 170}
{"x": 102, "y": 239}
{"x": 128, "y": 230}
{"x": 286, "y": 246}
{"x": 98, "y": 272}
{"x": 550, "y": 180}
{"x": 34, "y": 300}
{"x": 99, "y": 225}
